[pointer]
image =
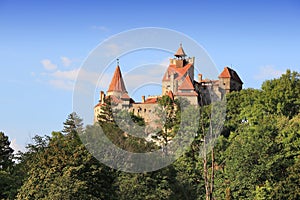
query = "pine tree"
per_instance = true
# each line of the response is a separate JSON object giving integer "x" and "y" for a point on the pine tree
{"x": 73, "y": 124}
{"x": 6, "y": 152}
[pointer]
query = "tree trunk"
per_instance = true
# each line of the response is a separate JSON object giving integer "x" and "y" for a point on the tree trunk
{"x": 212, "y": 181}
{"x": 205, "y": 173}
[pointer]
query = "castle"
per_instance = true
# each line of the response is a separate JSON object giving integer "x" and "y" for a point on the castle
{"x": 178, "y": 82}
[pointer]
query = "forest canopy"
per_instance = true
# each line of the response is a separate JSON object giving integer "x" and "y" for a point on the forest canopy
{"x": 257, "y": 156}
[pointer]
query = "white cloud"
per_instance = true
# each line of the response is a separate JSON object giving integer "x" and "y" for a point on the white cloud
{"x": 66, "y": 75}
{"x": 112, "y": 50}
{"x": 16, "y": 147}
{"x": 62, "y": 84}
{"x": 48, "y": 65}
{"x": 66, "y": 61}
{"x": 101, "y": 28}
{"x": 67, "y": 79}
{"x": 268, "y": 72}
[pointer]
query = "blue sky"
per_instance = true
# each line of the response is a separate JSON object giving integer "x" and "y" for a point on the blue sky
{"x": 43, "y": 44}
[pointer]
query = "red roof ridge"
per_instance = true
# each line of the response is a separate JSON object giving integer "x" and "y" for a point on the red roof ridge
{"x": 187, "y": 93}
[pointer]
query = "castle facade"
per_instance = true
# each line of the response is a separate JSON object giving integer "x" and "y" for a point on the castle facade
{"x": 177, "y": 82}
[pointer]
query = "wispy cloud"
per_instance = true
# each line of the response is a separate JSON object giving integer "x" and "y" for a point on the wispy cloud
{"x": 62, "y": 84}
{"x": 268, "y": 72}
{"x": 66, "y": 79}
{"x": 101, "y": 28}
{"x": 66, "y": 61}
{"x": 48, "y": 65}
{"x": 112, "y": 50}
{"x": 66, "y": 75}
{"x": 60, "y": 78}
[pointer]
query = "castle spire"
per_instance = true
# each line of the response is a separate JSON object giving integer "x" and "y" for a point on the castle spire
{"x": 180, "y": 52}
{"x": 117, "y": 83}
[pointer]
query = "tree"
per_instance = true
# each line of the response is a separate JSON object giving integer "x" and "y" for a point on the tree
{"x": 169, "y": 111}
{"x": 282, "y": 95}
{"x": 249, "y": 157}
{"x": 106, "y": 113}
{"x": 6, "y": 167}
{"x": 60, "y": 167}
{"x": 150, "y": 185}
{"x": 65, "y": 170}
{"x": 73, "y": 124}
{"x": 6, "y": 153}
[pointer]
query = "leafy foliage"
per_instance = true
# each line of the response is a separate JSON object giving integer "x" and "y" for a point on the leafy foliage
{"x": 257, "y": 156}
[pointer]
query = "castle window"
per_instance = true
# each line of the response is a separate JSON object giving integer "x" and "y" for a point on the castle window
{"x": 145, "y": 110}
{"x": 223, "y": 83}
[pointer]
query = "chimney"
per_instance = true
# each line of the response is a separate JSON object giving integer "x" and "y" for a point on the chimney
{"x": 143, "y": 99}
{"x": 102, "y": 96}
{"x": 199, "y": 78}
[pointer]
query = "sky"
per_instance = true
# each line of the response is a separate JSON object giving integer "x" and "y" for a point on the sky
{"x": 43, "y": 44}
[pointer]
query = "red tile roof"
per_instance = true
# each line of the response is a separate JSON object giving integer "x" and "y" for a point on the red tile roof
{"x": 125, "y": 96}
{"x": 117, "y": 83}
{"x": 187, "y": 84}
{"x": 114, "y": 99}
{"x": 181, "y": 71}
{"x": 151, "y": 100}
{"x": 230, "y": 73}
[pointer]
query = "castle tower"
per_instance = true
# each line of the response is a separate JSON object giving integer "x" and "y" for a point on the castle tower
{"x": 187, "y": 90}
{"x": 229, "y": 81}
{"x": 178, "y": 69}
{"x": 117, "y": 86}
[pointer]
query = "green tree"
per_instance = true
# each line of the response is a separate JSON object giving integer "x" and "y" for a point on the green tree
{"x": 60, "y": 167}
{"x": 73, "y": 124}
{"x": 169, "y": 111}
{"x": 6, "y": 167}
{"x": 6, "y": 153}
{"x": 282, "y": 95}
{"x": 150, "y": 185}
{"x": 106, "y": 113}
{"x": 250, "y": 157}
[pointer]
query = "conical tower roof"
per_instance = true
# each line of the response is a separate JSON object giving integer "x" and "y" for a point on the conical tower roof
{"x": 117, "y": 83}
{"x": 180, "y": 52}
